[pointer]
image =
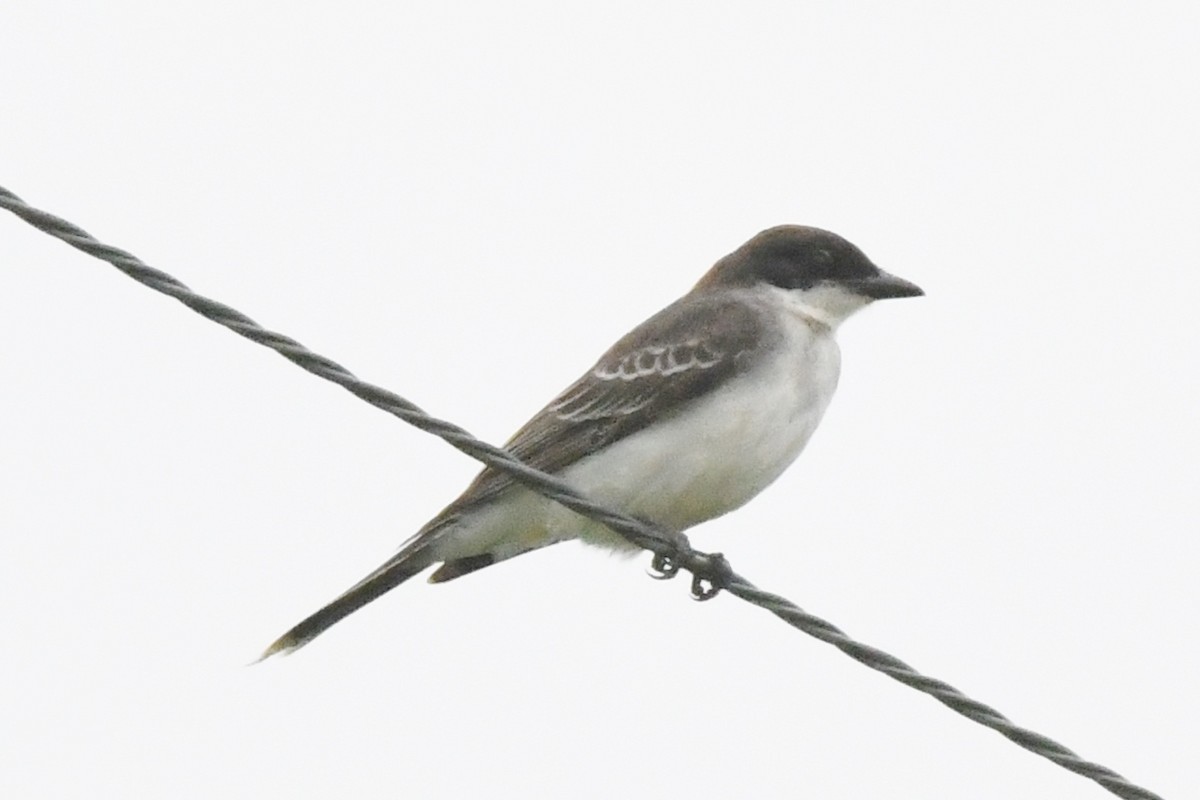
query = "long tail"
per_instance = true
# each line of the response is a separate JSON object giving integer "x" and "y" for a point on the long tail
{"x": 393, "y": 572}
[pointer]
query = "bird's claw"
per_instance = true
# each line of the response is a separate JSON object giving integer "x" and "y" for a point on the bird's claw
{"x": 711, "y": 577}
{"x": 710, "y": 572}
{"x": 663, "y": 567}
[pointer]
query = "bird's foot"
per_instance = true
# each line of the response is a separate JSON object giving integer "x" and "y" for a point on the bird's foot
{"x": 710, "y": 571}
{"x": 665, "y": 565}
{"x": 710, "y": 574}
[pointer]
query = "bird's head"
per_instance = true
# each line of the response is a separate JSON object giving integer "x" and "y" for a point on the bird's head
{"x": 817, "y": 269}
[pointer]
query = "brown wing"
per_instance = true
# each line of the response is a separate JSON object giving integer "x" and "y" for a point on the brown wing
{"x": 684, "y": 351}
{"x": 690, "y": 348}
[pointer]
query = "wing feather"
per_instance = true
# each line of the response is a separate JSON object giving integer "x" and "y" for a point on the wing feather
{"x": 684, "y": 351}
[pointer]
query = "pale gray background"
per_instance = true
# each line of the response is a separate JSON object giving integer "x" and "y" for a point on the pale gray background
{"x": 467, "y": 204}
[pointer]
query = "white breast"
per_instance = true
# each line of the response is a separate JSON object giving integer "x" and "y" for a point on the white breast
{"x": 725, "y": 449}
{"x": 710, "y": 459}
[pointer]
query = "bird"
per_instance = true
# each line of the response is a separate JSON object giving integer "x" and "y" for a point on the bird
{"x": 686, "y": 418}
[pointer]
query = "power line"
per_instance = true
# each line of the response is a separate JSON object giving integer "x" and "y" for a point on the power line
{"x": 711, "y": 572}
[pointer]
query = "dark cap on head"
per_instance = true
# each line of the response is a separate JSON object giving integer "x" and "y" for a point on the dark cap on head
{"x": 800, "y": 257}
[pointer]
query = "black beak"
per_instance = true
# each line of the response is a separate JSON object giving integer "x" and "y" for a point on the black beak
{"x": 884, "y": 285}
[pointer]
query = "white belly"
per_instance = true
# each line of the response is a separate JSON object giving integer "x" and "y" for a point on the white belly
{"x": 721, "y": 452}
{"x": 713, "y": 458}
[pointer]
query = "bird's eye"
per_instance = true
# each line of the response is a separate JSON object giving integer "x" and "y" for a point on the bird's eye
{"x": 823, "y": 256}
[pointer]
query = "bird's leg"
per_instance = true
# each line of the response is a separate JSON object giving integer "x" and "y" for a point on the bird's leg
{"x": 710, "y": 574}
{"x": 666, "y": 562}
{"x": 710, "y": 571}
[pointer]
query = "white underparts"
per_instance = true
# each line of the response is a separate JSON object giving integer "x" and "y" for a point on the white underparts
{"x": 720, "y": 452}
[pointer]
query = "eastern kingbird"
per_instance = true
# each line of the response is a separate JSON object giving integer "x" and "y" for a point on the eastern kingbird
{"x": 687, "y": 417}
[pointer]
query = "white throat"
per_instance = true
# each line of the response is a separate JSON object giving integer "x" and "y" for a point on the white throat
{"x": 825, "y": 304}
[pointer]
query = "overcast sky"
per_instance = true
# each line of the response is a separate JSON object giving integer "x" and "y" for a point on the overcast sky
{"x": 467, "y": 203}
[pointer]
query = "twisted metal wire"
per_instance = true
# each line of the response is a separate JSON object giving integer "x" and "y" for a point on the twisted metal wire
{"x": 711, "y": 572}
